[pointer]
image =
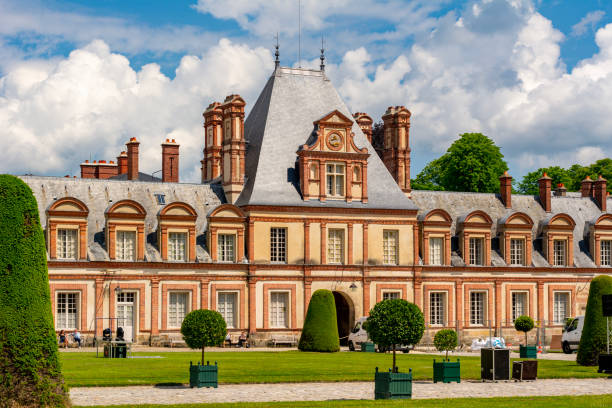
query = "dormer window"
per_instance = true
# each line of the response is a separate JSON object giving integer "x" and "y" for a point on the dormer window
{"x": 558, "y": 234}
{"x": 177, "y": 246}
{"x": 476, "y": 251}
{"x": 517, "y": 251}
{"x": 67, "y": 227}
{"x": 606, "y": 248}
{"x": 559, "y": 252}
{"x": 335, "y": 180}
{"x": 126, "y": 246}
{"x": 67, "y": 244}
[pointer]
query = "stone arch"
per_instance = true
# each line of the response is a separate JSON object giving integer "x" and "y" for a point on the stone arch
{"x": 345, "y": 315}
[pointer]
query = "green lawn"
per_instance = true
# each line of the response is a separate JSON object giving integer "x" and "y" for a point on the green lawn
{"x": 588, "y": 401}
{"x": 84, "y": 369}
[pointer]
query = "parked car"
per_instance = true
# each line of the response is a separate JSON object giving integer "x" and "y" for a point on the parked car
{"x": 359, "y": 335}
{"x": 571, "y": 334}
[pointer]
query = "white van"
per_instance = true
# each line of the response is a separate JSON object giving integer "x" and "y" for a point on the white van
{"x": 358, "y": 334}
{"x": 571, "y": 334}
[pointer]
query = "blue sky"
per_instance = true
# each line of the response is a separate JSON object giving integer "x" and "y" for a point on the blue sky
{"x": 533, "y": 75}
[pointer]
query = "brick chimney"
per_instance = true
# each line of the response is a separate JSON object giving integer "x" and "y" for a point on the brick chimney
{"x": 586, "y": 187}
{"x": 600, "y": 192}
{"x": 122, "y": 163}
{"x": 132, "y": 159}
{"x": 545, "y": 183}
{"x": 505, "y": 189}
{"x": 396, "y": 154}
{"x": 88, "y": 170}
{"x": 560, "y": 191}
{"x": 234, "y": 146}
{"x": 170, "y": 161}
{"x": 365, "y": 123}
{"x": 106, "y": 170}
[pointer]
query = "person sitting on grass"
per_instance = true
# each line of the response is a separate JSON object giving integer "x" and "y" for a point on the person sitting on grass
{"x": 242, "y": 340}
{"x": 76, "y": 336}
{"x": 63, "y": 341}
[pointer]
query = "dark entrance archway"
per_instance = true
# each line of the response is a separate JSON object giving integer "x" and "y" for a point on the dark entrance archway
{"x": 345, "y": 316}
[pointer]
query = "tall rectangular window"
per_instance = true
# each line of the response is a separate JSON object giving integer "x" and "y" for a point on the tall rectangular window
{"x": 477, "y": 308}
{"x": 437, "y": 308}
{"x": 177, "y": 308}
{"x": 335, "y": 180}
{"x": 177, "y": 246}
{"x": 391, "y": 295}
{"x": 519, "y": 304}
{"x": 561, "y": 308}
{"x": 226, "y": 305}
{"x": 279, "y": 302}
{"x": 605, "y": 249}
{"x": 125, "y": 245}
{"x": 476, "y": 251}
{"x": 559, "y": 250}
{"x": 66, "y": 311}
{"x": 517, "y": 251}
{"x": 67, "y": 244}
{"x": 278, "y": 244}
{"x": 226, "y": 246}
{"x": 390, "y": 247}
{"x": 335, "y": 246}
{"x": 435, "y": 251}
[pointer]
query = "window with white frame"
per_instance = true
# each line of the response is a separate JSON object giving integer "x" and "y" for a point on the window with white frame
{"x": 177, "y": 308}
{"x": 335, "y": 180}
{"x": 66, "y": 310}
{"x": 477, "y": 308}
{"x": 605, "y": 247}
{"x": 437, "y": 308}
{"x": 476, "y": 251}
{"x": 435, "y": 250}
{"x": 67, "y": 243}
{"x": 391, "y": 294}
{"x": 125, "y": 245}
{"x": 390, "y": 247}
{"x": 226, "y": 305}
{"x": 519, "y": 304}
{"x": 335, "y": 246}
{"x": 177, "y": 246}
{"x": 517, "y": 251}
{"x": 278, "y": 244}
{"x": 561, "y": 310}
{"x": 279, "y": 307}
{"x": 559, "y": 250}
{"x": 226, "y": 245}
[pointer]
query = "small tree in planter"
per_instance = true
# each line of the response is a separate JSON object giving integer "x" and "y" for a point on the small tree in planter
{"x": 525, "y": 324}
{"x": 445, "y": 371}
{"x": 200, "y": 329}
{"x": 392, "y": 322}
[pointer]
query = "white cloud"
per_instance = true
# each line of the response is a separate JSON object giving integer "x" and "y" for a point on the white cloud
{"x": 589, "y": 21}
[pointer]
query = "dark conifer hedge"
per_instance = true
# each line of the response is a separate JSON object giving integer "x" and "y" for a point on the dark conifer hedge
{"x": 320, "y": 332}
{"x": 29, "y": 366}
{"x": 593, "y": 340}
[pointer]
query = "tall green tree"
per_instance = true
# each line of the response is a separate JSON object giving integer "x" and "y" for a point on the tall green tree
{"x": 529, "y": 185}
{"x": 29, "y": 363}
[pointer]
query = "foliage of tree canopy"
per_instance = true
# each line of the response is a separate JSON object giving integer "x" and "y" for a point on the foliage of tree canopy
{"x": 320, "y": 331}
{"x": 445, "y": 340}
{"x": 593, "y": 339}
{"x": 472, "y": 163}
{"x": 524, "y": 324}
{"x": 29, "y": 363}
{"x": 395, "y": 321}
{"x": 203, "y": 328}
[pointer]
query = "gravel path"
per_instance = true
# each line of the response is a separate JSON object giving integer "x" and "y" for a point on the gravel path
{"x": 329, "y": 391}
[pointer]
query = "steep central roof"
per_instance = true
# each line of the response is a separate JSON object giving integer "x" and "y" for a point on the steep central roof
{"x": 280, "y": 122}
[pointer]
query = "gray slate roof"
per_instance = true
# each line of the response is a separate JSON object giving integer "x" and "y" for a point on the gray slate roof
{"x": 99, "y": 194}
{"x": 280, "y": 122}
{"x": 458, "y": 205}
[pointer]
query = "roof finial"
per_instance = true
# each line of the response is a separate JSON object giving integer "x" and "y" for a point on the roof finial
{"x": 322, "y": 57}
{"x": 276, "y": 54}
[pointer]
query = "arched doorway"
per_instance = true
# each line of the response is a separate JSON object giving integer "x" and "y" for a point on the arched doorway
{"x": 345, "y": 316}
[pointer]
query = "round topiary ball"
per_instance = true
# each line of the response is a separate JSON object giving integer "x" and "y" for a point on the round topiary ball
{"x": 320, "y": 332}
{"x": 593, "y": 340}
{"x": 203, "y": 328}
{"x": 524, "y": 324}
{"x": 445, "y": 340}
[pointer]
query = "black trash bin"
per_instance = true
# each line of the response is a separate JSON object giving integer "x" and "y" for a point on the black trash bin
{"x": 120, "y": 349}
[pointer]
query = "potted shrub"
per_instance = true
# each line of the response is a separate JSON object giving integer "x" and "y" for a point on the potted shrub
{"x": 525, "y": 324}
{"x": 393, "y": 322}
{"x": 446, "y": 371}
{"x": 200, "y": 329}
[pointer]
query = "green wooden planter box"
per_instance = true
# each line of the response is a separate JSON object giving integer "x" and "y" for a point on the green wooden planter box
{"x": 388, "y": 385}
{"x": 528, "y": 351}
{"x": 203, "y": 375}
{"x": 446, "y": 371}
{"x": 367, "y": 347}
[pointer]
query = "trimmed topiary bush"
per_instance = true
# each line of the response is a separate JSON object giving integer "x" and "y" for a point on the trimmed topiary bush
{"x": 593, "y": 340}
{"x": 203, "y": 328}
{"x": 320, "y": 332}
{"x": 395, "y": 321}
{"x": 29, "y": 366}
{"x": 524, "y": 324}
{"x": 445, "y": 340}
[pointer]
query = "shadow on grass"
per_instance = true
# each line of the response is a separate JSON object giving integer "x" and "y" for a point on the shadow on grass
{"x": 170, "y": 385}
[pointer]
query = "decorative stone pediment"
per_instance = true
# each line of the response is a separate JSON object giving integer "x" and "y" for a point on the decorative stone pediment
{"x": 333, "y": 134}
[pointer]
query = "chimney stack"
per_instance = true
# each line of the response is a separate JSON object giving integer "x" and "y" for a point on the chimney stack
{"x": 561, "y": 191}
{"x": 600, "y": 192}
{"x": 88, "y": 170}
{"x": 586, "y": 187}
{"x": 545, "y": 183}
{"x": 132, "y": 159}
{"x": 505, "y": 189}
{"x": 170, "y": 161}
{"x": 122, "y": 163}
{"x": 396, "y": 154}
{"x": 365, "y": 123}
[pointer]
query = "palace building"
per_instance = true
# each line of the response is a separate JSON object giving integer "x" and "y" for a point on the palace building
{"x": 295, "y": 199}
